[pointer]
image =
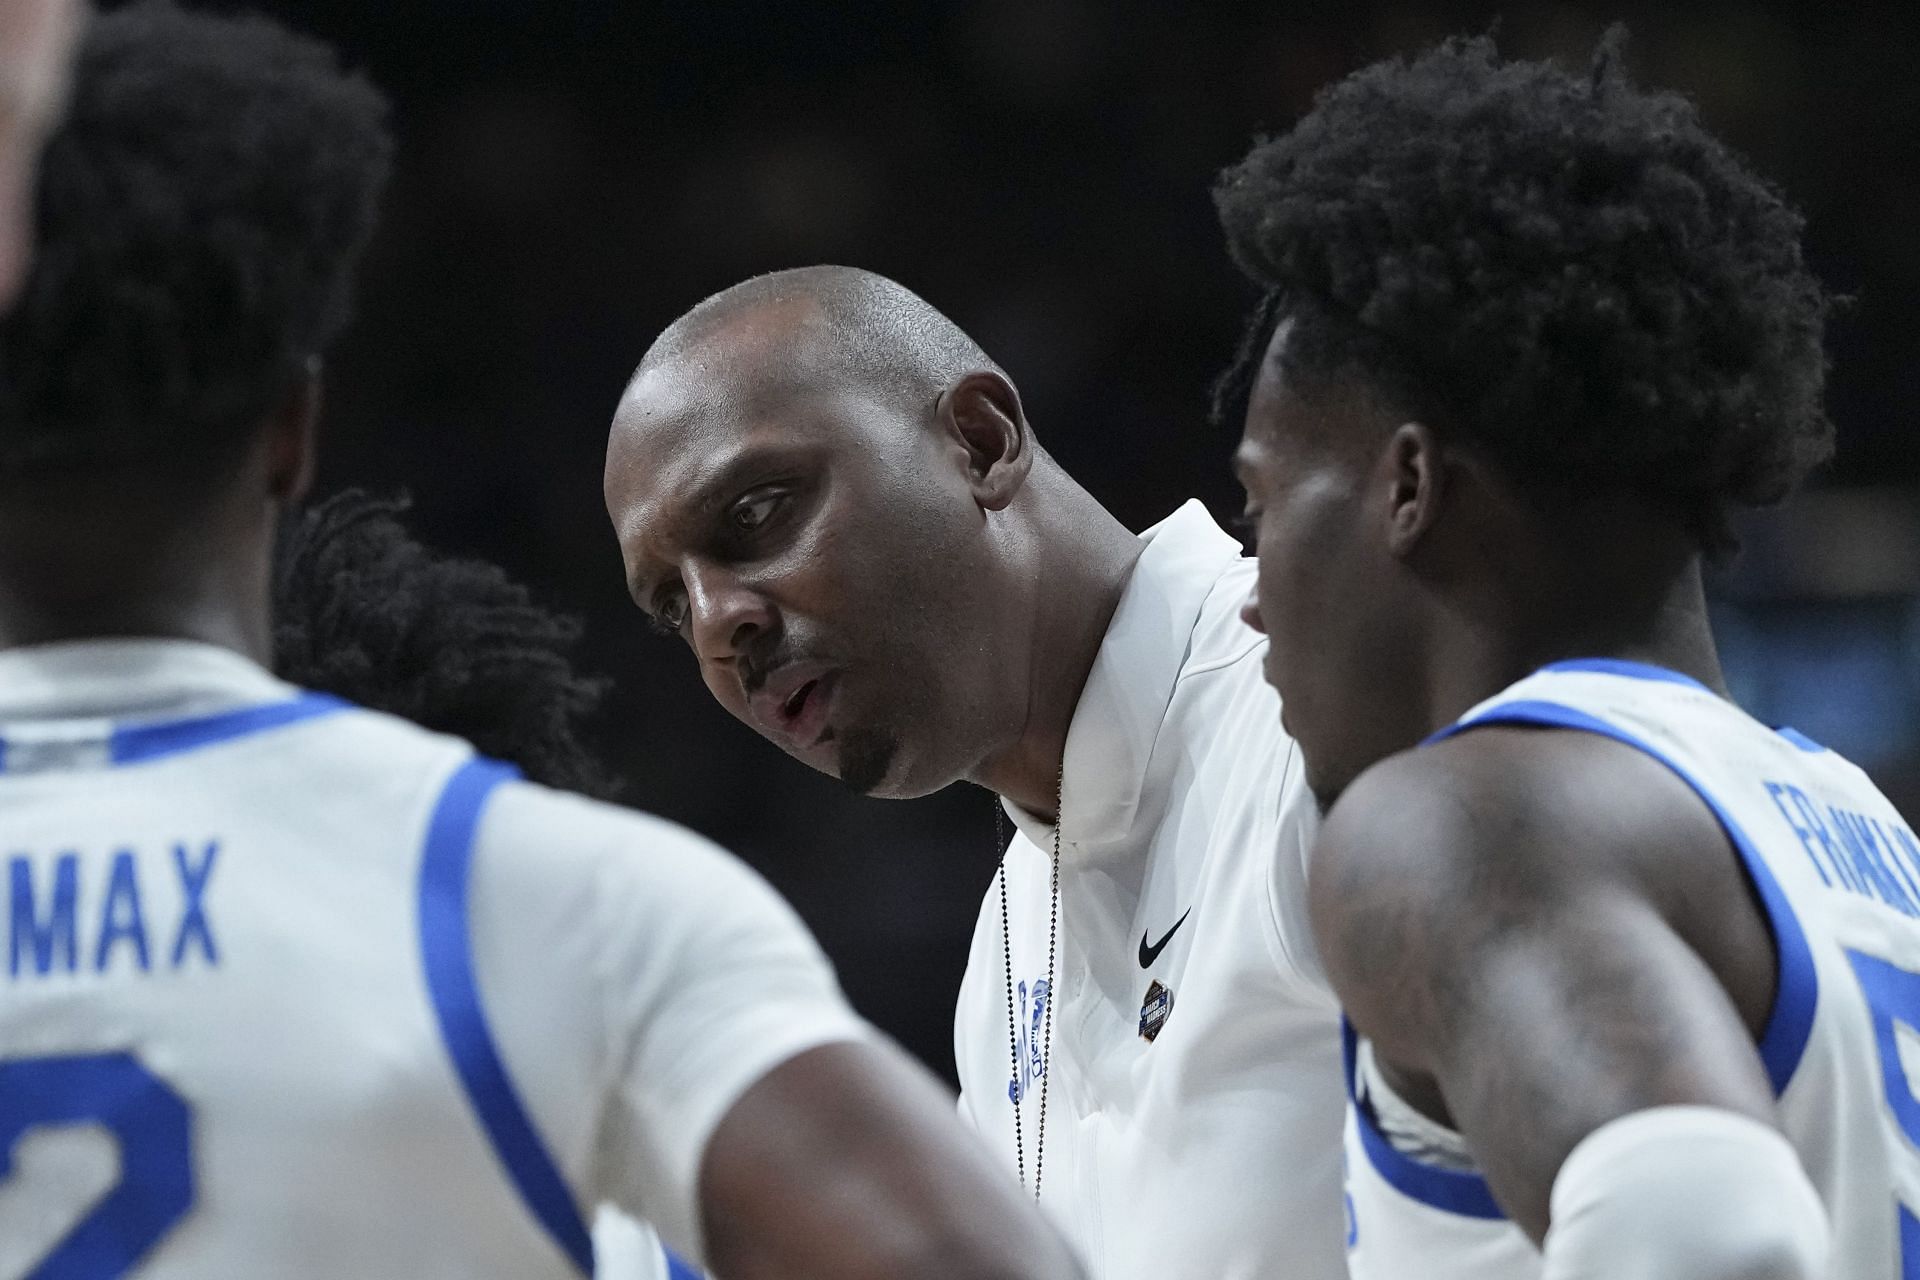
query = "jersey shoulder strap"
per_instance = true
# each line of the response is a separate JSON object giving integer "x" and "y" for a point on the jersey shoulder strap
{"x": 446, "y": 956}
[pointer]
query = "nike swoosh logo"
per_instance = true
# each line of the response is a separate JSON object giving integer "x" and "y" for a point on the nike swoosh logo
{"x": 1148, "y": 954}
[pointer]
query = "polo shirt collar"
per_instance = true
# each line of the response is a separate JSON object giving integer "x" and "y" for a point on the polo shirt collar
{"x": 1130, "y": 685}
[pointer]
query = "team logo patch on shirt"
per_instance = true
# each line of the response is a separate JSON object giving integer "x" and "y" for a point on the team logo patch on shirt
{"x": 1154, "y": 1009}
{"x": 1033, "y": 1062}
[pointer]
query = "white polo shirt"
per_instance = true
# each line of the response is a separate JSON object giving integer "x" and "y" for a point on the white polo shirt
{"x": 1212, "y": 1151}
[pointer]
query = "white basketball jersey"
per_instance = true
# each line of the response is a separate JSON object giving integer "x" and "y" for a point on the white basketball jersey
{"x": 295, "y": 990}
{"x": 1838, "y": 873}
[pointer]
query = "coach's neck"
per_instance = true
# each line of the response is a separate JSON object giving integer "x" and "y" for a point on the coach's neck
{"x": 1074, "y": 562}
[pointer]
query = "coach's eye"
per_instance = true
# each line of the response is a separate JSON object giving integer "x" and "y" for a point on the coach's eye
{"x": 754, "y": 510}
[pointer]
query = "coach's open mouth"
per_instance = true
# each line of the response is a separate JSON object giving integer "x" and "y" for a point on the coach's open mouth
{"x": 794, "y": 703}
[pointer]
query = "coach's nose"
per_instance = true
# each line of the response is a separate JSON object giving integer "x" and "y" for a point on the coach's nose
{"x": 724, "y": 612}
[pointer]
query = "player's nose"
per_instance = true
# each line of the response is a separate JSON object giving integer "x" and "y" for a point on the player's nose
{"x": 724, "y": 612}
{"x": 1250, "y": 609}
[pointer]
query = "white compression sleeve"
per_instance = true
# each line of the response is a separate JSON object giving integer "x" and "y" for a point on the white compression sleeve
{"x": 1685, "y": 1193}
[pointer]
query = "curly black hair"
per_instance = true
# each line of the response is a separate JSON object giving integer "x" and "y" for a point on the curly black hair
{"x": 200, "y": 213}
{"x": 1567, "y": 270}
{"x": 366, "y": 613}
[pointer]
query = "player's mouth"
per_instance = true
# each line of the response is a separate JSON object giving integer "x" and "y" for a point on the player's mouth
{"x": 794, "y": 704}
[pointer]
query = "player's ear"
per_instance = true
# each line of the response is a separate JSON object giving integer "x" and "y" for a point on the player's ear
{"x": 981, "y": 413}
{"x": 295, "y": 429}
{"x": 1415, "y": 477}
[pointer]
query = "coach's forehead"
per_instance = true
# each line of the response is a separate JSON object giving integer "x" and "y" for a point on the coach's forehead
{"x": 759, "y": 368}
{"x": 747, "y": 353}
{"x": 707, "y": 375}
{"x": 695, "y": 413}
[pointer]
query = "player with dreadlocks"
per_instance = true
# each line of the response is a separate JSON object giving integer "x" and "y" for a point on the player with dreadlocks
{"x": 363, "y": 611}
{"x": 300, "y": 990}
{"x": 1623, "y": 966}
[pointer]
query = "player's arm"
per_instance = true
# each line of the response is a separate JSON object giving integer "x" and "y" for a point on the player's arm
{"x": 848, "y": 1161}
{"x": 760, "y": 1124}
{"x": 1497, "y": 917}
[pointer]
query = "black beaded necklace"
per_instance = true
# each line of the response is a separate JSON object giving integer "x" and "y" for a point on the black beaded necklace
{"x": 1013, "y": 1026}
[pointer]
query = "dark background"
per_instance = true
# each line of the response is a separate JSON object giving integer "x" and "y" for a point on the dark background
{"x": 572, "y": 176}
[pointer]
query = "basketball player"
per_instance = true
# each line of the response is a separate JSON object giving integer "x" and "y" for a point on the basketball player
{"x": 1631, "y": 975}
{"x": 36, "y": 38}
{"x": 363, "y": 611}
{"x": 834, "y": 496}
{"x": 298, "y": 990}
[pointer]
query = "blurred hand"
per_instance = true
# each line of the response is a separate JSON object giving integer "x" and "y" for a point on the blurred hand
{"x": 36, "y": 43}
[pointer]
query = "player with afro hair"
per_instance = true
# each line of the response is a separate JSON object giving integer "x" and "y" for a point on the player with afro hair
{"x": 1527, "y": 339}
{"x": 191, "y": 271}
{"x": 1570, "y": 271}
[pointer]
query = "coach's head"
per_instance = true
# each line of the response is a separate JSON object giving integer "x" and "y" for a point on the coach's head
{"x": 831, "y": 493}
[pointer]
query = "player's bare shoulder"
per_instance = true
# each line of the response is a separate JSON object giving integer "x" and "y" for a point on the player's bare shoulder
{"x": 1441, "y": 851}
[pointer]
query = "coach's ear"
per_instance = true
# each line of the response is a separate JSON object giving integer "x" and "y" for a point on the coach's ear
{"x": 293, "y": 446}
{"x": 981, "y": 414}
{"x": 1413, "y": 474}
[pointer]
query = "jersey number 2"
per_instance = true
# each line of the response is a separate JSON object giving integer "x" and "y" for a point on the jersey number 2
{"x": 1893, "y": 995}
{"x": 154, "y": 1129}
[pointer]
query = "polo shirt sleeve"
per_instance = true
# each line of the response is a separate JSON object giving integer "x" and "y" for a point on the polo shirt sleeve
{"x": 641, "y": 980}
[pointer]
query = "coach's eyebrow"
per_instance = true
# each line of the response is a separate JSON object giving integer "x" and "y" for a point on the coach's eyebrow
{"x": 728, "y": 477}
{"x": 718, "y": 486}
{"x": 711, "y": 491}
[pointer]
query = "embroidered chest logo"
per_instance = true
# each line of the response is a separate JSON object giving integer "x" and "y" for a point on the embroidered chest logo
{"x": 1155, "y": 1009}
{"x": 1148, "y": 954}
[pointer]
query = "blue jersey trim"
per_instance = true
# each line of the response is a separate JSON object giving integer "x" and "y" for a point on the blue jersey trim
{"x": 678, "y": 1268}
{"x": 134, "y": 744}
{"x": 447, "y": 956}
{"x": 1451, "y": 1190}
{"x": 1622, "y": 667}
{"x": 1799, "y": 739}
{"x": 1797, "y": 991}
{"x": 155, "y": 740}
